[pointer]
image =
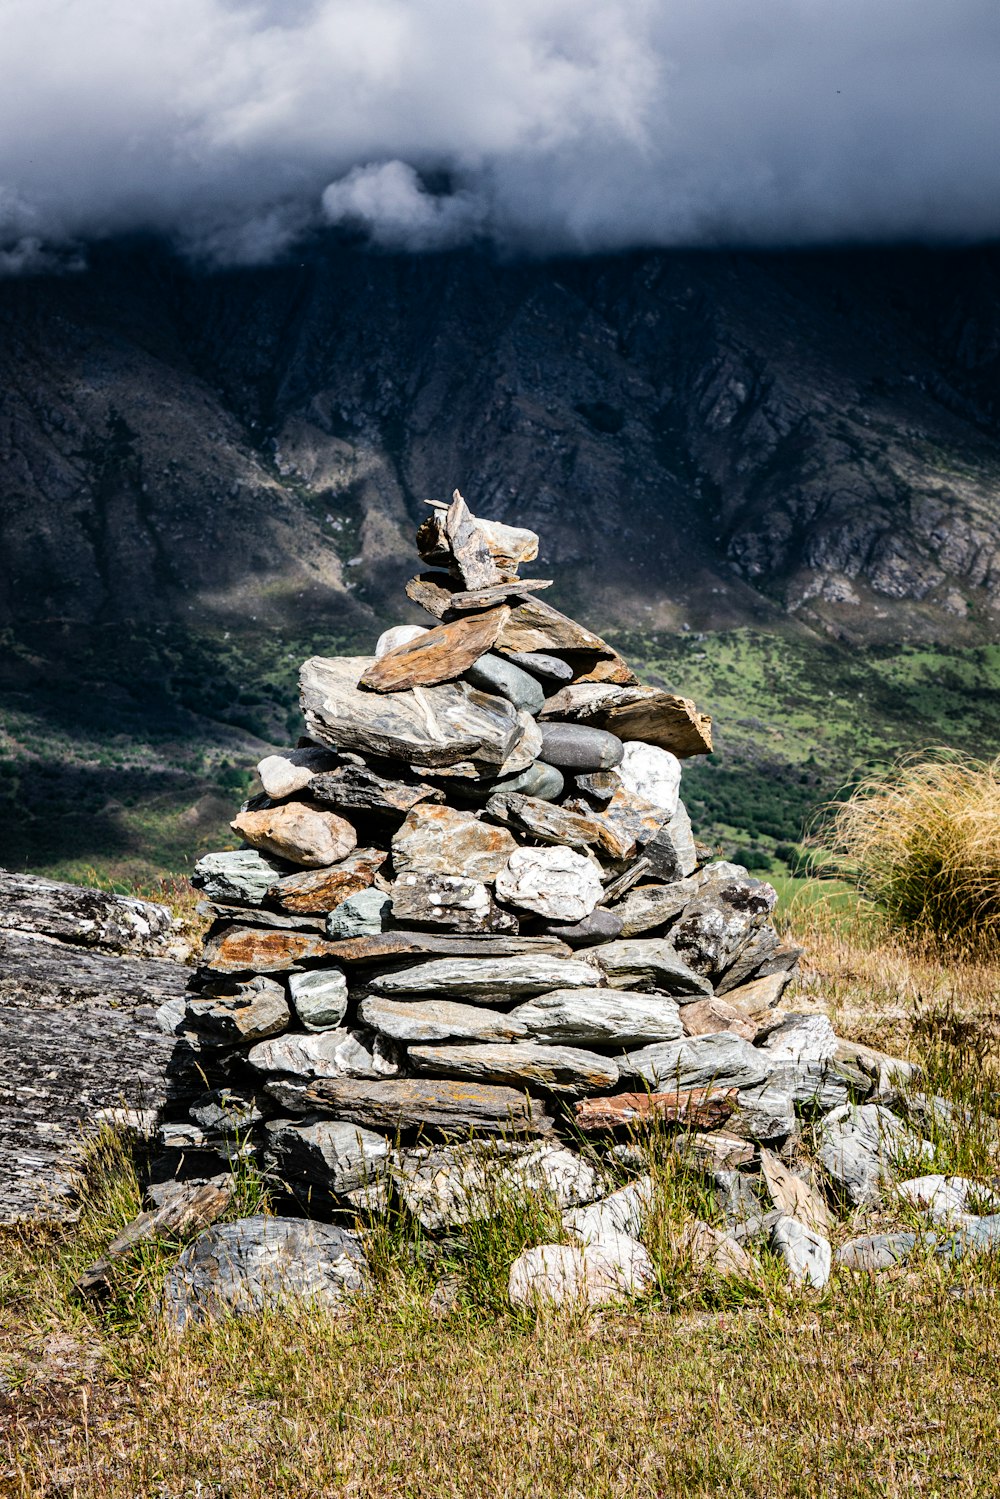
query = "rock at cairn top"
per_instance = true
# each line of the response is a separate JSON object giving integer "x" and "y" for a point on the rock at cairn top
{"x": 435, "y": 928}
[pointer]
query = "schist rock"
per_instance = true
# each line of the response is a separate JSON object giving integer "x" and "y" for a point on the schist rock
{"x": 549, "y": 668}
{"x": 447, "y": 1106}
{"x": 651, "y": 906}
{"x": 556, "y": 883}
{"x": 361, "y": 915}
{"x": 488, "y": 979}
{"x": 441, "y": 594}
{"x": 520, "y": 1064}
{"x": 358, "y": 788}
{"x": 576, "y": 747}
{"x": 646, "y": 713}
{"x": 319, "y": 997}
{"x": 540, "y": 819}
{"x": 333, "y": 1053}
{"x": 323, "y": 890}
{"x": 695, "y": 1108}
{"x": 706, "y": 1017}
{"x": 601, "y": 925}
{"x": 447, "y": 1186}
{"x": 428, "y": 726}
{"x": 599, "y": 1017}
{"x": 329, "y": 1153}
{"x": 298, "y": 832}
{"x": 447, "y": 900}
{"x": 243, "y": 949}
{"x": 723, "y": 1061}
{"x": 246, "y": 1011}
{"x": 438, "y": 655}
{"x": 441, "y": 840}
{"x": 648, "y": 963}
{"x": 438, "y": 1020}
{"x": 535, "y": 626}
{"x": 241, "y": 877}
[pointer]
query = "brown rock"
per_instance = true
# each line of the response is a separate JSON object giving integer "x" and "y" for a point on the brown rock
{"x": 298, "y": 832}
{"x": 710, "y": 1249}
{"x": 756, "y": 999}
{"x": 700, "y": 1108}
{"x": 440, "y": 655}
{"x": 536, "y": 626}
{"x": 324, "y": 889}
{"x": 633, "y": 712}
{"x": 241, "y": 949}
{"x": 793, "y": 1196}
{"x": 194, "y": 1205}
{"x": 706, "y": 1017}
{"x": 440, "y": 1104}
{"x": 553, "y": 824}
{"x": 439, "y": 594}
{"x": 441, "y": 840}
{"x": 481, "y": 552}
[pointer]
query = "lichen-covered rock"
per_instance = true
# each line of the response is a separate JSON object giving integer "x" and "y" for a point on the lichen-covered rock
{"x": 442, "y": 840}
{"x": 257, "y": 1263}
{"x": 556, "y": 883}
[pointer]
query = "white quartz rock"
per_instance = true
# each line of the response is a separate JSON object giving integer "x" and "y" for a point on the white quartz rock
{"x": 652, "y": 773}
{"x": 554, "y": 882}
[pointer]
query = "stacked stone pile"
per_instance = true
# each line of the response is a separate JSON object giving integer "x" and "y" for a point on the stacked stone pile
{"x": 470, "y": 905}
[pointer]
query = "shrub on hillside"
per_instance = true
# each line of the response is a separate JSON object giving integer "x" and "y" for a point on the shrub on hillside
{"x": 923, "y": 843}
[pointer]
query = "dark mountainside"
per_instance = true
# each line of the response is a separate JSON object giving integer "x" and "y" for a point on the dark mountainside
{"x": 776, "y": 471}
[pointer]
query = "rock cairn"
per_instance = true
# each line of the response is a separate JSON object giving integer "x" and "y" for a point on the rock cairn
{"x": 470, "y": 906}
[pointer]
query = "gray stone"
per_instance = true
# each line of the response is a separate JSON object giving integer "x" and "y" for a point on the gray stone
{"x": 557, "y": 1069}
{"x": 806, "y": 1253}
{"x": 949, "y": 1199}
{"x": 445, "y": 900}
{"x": 858, "y": 1148}
{"x": 544, "y": 782}
{"x": 489, "y": 980}
{"x": 722, "y": 1061}
{"x": 761, "y": 954}
{"x": 714, "y": 1151}
{"x": 652, "y": 773}
{"x": 360, "y": 915}
{"x": 765, "y": 1114}
{"x": 438, "y": 1020}
{"x": 573, "y": 746}
{"x": 621, "y": 1212}
{"x": 757, "y": 998}
{"x": 799, "y": 1038}
{"x": 448, "y": 1186}
{"x": 255, "y": 1263}
{"x": 601, "y": 1017}
{"x": 889, "y": 1073}
{"x": 878, "y": 1251}
{"x": 557, "y": 883}
{"x": 648, "y": 963}
{"x": 671, "y": 855}
{"x": 282, "y": 775}
{"x": 329, "y": 1153}
{"x": 84, "y": 917}
{"x": 811, "y": 1087}
{"x": 719, "y": 922}
{"x": 319, "y": 997}
{"x": 599, "y": 785}
{"x": 651, "y": 906}
{"x": 501, "y": 675}
{"x": 222, "y": 1111}
{"x": 587, "y": 1275}
{"x": 441, "y": 840}
{"x": 737, "y": 1197}
{"x": 338, "y": 1053}
{"x": 540, "y": 664}
{"x": 978, "y": 1236}
{"x": 239, "y": 1010}
{"x": 601, "y": 925}
{"x": 241, "y": 877}
{"x": 432, "y": 726}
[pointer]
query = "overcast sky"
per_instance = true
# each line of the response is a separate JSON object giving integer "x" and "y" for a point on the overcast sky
{"x": 557, "y": 124}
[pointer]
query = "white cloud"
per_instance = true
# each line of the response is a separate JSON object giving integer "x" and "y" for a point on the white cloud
{"x": 585, "y": 124}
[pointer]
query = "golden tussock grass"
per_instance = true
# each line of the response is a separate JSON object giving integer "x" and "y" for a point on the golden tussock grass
{"x": 923, "y": 845}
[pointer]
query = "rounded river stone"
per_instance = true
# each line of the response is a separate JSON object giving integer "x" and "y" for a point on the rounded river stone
{"x": 576, "y": 746}
{"x": 495, "y": 674}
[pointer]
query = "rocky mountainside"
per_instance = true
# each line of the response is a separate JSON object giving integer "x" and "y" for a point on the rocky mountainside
{"x": 705, "y": 438}
{"x": 208, "y": 476}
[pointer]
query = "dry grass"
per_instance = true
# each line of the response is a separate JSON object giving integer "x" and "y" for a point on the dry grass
{"x": 880, "y": 1386}
{"x": 923, "y": 845}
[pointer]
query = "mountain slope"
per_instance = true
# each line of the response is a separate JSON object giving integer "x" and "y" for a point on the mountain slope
{"x": 205, "y": 476}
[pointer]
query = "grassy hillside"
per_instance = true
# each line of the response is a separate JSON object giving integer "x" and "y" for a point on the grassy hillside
{"x": 131, "y": 758}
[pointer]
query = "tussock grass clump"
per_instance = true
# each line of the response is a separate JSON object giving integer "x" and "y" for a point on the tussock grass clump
{"x": 923, "y": 844}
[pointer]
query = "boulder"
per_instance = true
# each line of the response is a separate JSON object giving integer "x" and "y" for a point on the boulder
{"x": 246, "y": 1267}
{"x": 580, "y": 1275}
{"x": 599, "y": 1017}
